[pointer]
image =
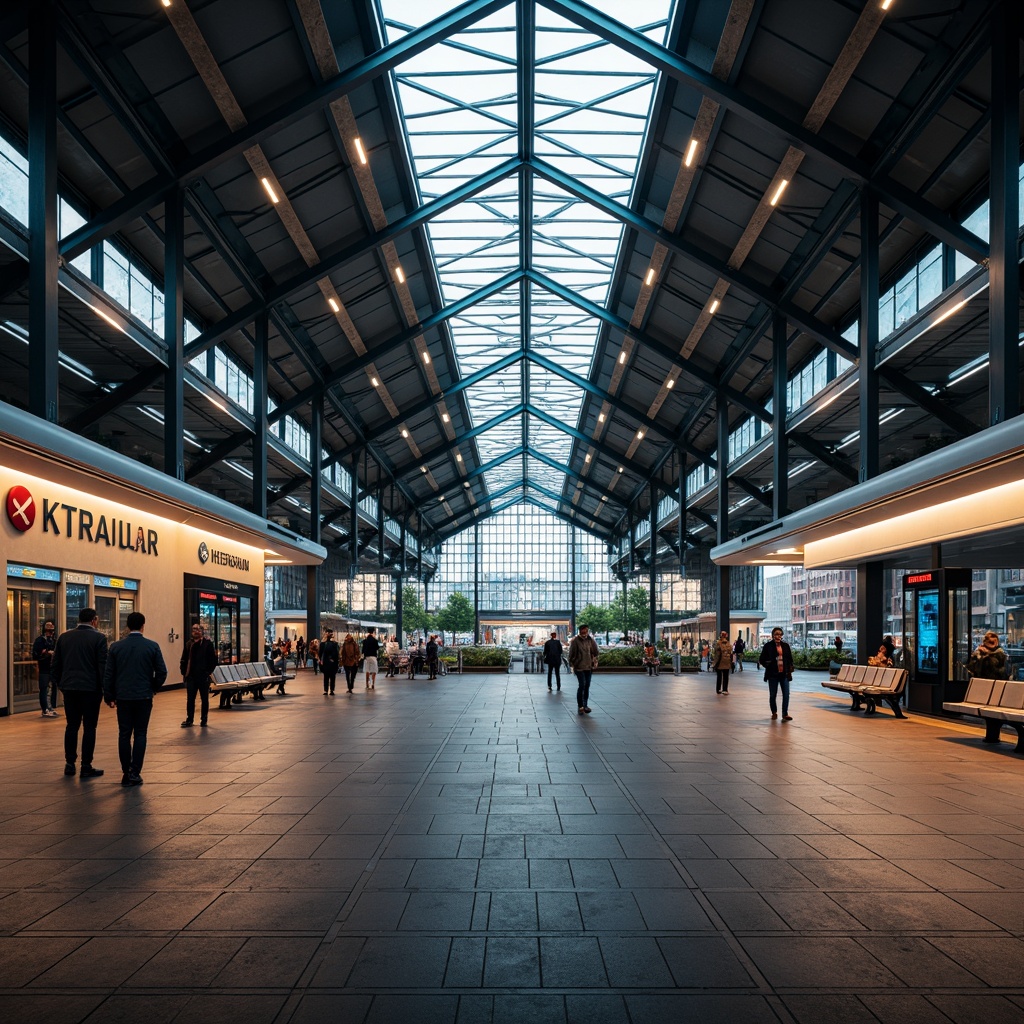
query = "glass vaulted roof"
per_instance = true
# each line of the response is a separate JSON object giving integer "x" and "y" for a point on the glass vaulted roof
{"x": 523, "y": 246}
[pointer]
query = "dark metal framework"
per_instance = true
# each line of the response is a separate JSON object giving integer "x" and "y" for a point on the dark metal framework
{"x": 726, "y": 283}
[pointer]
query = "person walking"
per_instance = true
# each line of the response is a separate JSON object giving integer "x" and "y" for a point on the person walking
{"x": 330, "y": 656}
{"x": 432, "y": 652}
{"x": 135, "y": 671}
{"x": 313, "y": 653}
{"x": 583, "y": 660}
{"x": 371, "y": 648}
{"x": 777, "y": 661}
{"x": 721, "y": 662}
{"x": 350, "y": 660}
{"x": 79, "y": 661}
{"x": 553, "y": 659}
{"x": 738, "y": 647}
{"x": 300, "y": 653}
{"x": 198, "y": 660}
{"x": 42, "y": 653}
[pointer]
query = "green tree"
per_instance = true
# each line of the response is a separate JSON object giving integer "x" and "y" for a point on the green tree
{"x": 632, "y": 614}
{"x": 596, "y": 618}
{"x": 414, "y": 616}
{"x": 457, "y": 616}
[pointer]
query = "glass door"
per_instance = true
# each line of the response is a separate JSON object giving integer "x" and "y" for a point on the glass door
{"x": 113, "y": 610}
{"x": 28, "y": 607}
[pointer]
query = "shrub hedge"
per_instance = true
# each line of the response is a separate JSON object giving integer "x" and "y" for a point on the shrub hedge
{"x": 485, "y": 657}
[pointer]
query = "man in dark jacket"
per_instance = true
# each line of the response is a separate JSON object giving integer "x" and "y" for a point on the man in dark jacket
{"x": 135, "y": 671}
{"x": 777, "y": 661}
{"x": 553, "y": 659}
{"x": 42, "y": 653}
{"x": 198, "y": 660}
{"x": 79, "y": 660}
{"x": 432, "y": 652}
{"x": 330, "y": 655}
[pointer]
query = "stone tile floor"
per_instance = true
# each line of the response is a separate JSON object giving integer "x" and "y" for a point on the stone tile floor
{"x": 470, "y": 850}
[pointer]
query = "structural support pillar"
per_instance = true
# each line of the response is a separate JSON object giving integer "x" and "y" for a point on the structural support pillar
{"x": 1004, "y": 217}
{"x": 572, "y": 580}
{"x": 869, "y": 404}
{"x": 316, "y": 466}
{"x": 780, "y": 417}
{"x": 260, "y": 373}
{"x": 722, "y": 519}
{"x": 870, "y": 610}
{"x": 43, "y": 345}
{"x": 174, "y": 334}
{"x": 652, "y": 577}
{"x": 476, "y": 583}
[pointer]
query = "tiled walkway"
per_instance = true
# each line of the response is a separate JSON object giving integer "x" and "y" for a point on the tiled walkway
{"x": 470, "y": 850}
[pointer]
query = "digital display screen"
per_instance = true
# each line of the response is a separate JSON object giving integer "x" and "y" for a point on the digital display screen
{"x": 928, "y": 631}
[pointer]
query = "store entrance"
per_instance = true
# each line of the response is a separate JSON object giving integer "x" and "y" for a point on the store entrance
{"x": 29, "y": 605}
{"x": 112, "y": 611}
{"x": 226, "y": 616}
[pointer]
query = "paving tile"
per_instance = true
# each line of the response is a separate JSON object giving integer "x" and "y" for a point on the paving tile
{"x": 400, "y": 962}
{"x": 512, "y": 963}
{"x": 571, "y": 963}
{"x": 26, "y": 957}
{"x": 917, "y": 912}
{"x": 791, "y": 961}
{"x": 634, "y": 963}
{"x": 997, "y": 960}
{"x": 436, "y": 911}
{"x": 704, "y": 963}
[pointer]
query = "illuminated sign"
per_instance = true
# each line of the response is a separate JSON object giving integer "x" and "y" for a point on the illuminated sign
{"x": 114, "y": 583}
{"x": 31, "y": 572}
{"x": 924, "y": 577}
{"x": 225, "y": 558}
{"x": 63, "y": 520}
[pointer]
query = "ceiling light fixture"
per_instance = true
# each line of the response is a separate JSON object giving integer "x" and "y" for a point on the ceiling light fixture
{"x": 405, "y": 433}
{"x": 670, "y": 383}
{"x": 691, "y": 151}
{"x": 600, "y": 417}
{"x": 458, "y": 457}
{"x": 423, "y": 469}
{"x": 359, "y": 149}
{"x": 333, "y": 303}
{"x": 603, "y": 498}
{"x": 778, "y": 192}
{"x": 620, "y": 469}
{"x": 270, "y": 191}
{"x": 167, "y": 3}
{"x": 885, "y": 4}
{"x": 426, "y": 356}
{"x": 375, "y": 382}
{"x": 639, "y": 434}
{"x": 622, "y": 357}
{"x": 465, "y": 483}
{"x": 587, "y": 457}
{"x": 444, "y": 417}
{"x": 713, "y": 308}
{"x": 400, "y": 274}
{"x": 649, "y": 278}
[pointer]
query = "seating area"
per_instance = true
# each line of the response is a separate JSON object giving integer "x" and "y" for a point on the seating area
{"x": 232, "y": 682}
{"x": 999, "y": 702}
{"x": 870, "y": 686}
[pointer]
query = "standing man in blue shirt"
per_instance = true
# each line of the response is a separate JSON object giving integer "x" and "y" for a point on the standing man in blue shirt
{"x": 135, "y": 671}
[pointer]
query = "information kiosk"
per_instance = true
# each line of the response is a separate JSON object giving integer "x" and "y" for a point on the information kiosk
{"x": 936, "y": 637}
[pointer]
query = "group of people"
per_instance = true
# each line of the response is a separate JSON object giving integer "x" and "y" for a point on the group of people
{"x": 347, "y": 655}
{"x": 88, "y": 673}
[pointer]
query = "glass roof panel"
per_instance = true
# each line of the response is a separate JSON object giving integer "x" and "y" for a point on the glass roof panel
{"x": 461, "y": 106}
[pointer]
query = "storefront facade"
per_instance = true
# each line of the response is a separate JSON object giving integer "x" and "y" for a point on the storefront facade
{"x": 74, "y": 539}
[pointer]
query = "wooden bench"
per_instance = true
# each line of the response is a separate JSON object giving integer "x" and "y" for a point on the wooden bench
{"x": 231, "y": 682}
{"x": 872, "y": 686}
{"x": 999, "y": 702}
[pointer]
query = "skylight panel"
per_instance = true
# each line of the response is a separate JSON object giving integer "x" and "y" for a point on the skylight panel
{"x": 591, "y": 104}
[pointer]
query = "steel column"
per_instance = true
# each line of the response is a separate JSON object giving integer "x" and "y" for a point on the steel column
{"x": 174, "y": 334}
{"x": 44, "y": 344}
{"x": 652, "y": 575}
{"x": 1004, "y": 219}
{"x": 260, "y": 374}
{"x": 868, "y": 328}
{"x": 870, "y": 610}
{"x": 722, "y": 517}
{"x": 780, "y": 412}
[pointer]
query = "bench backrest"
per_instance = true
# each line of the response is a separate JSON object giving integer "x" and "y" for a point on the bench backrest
{"x": 220, "y": 674}
{"x": 858, "y": 673}
{"x": 979, "y": 691}
{"x": 262, "y": 669}
{"x": 845, "y": 672}
{"x": 1012, "y": 695}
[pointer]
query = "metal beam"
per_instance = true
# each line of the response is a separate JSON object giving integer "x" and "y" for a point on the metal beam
{"x": 823, "y": 455}
{"x": 868, "y": 389}
{"x": 817, "y": 329}
{"x": 174, "y": 335}
{"x": 660, "y": 348}
{"x": 139, "y": 200}
{"x": 943, "y": 411}
{"x": 143, "y": 380}
{"x": 900, "y": 198}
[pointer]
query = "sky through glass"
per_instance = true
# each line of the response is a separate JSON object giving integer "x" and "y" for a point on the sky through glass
{"x": 460, "y": 100}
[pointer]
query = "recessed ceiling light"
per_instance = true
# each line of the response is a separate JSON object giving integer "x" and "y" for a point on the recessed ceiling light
{"x": 600, "y": 417}
{"x": 622, "y": 357}
{"x": 639, "y": 434}
{"x": 426, "y": 356}
{"x": 405, "y": 433}
{"x": 333, "y": 303}
{"x": 270, "y": 190}
{"x": 400, "y": 274}
{"x": 465, "y": 483}
{"x": 458, "y": 457}
{"x": 587, "y": 457}
{"x": 423, "y": 469}
{"x": 375, "y": 382}
{"x": 713, "y": 308}
{"x": 670, "y": 383}
{"x": 778, "y": 192}
{"x": 359, "y": 149}
{"x": 691, "y": 151}
{"x": 444, "y": 417}
{"x": 650, "y": 277}
{"x": 620, "y": 469}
